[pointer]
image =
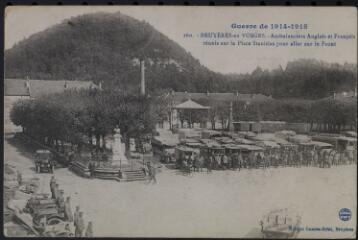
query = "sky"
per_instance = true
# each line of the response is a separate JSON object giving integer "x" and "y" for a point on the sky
{"x": 23, "y": 21}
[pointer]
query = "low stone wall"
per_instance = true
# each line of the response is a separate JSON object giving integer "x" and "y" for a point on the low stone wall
{"x": 80, "y": 169}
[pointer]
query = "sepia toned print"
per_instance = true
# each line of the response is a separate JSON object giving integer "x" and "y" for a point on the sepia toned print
{"x": 194, "y": 122}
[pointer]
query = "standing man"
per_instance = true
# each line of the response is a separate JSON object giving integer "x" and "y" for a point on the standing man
{"x": 68, "y": 210}
{"x": 19, "y": 177}
{"x": 56, "y": 191}
{"x": 53, "y": 186}
{"x": 89, "y": 230}
{"x": 80, "y": 226}
{"x": 61, "y": 202}
{"x": 201, "y": 162}
{"x": 152, "y": 173}
{"x": 92, "y": 168}
{"x": 240, "y": 160}
{"x": 76, "y": 215}
{"x": 234, "y": 160}
{"x": 225, "y": 161}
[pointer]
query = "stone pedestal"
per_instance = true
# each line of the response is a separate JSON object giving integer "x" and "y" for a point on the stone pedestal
{"x": 118, "y": 158}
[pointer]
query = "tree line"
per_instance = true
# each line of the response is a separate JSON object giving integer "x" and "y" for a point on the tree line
{"x": 78, "y": 116}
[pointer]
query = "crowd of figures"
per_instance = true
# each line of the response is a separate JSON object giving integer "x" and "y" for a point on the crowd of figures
{"x": 269, "y": 158}
{"x": 77, "y": 217}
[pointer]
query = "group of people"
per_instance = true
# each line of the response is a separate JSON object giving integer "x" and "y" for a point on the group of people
{"x": 65, "y": 208}
{"x": 273, "y": 157}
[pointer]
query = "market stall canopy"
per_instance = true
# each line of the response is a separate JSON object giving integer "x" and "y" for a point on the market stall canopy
{"x": 283, "y": 142}
{"x": 300, "y": 138}
{"x": 210, "y": 143}
{"x": 224, "y": 140}
{"x": 350, "y": 133}
{"x": 210, "y": 133}
{"x": 190, "y": 104}
{"x": 322, "y": 144}
{"x": 189, "y": 133}
{"x": 246, "y": 134}
{"x": 243, "y": 141}
{"x": 285, "y": 134}
{"x": 231, "y": 146}
{"x": 269, "y": 144}
{"x": 161, "y": 140}
{"x": 191, "y": 142}
{"x": 317, "y": 144}
{"x": 250, "y": 147}
{"x": 348, "y": 139}
{"x": 185, "y": 149}
{"x": 264, "y": 137}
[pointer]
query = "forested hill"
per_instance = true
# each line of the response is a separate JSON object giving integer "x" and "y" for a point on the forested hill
{"x": 107, "y": 47}
{"x": 303, "y": 78}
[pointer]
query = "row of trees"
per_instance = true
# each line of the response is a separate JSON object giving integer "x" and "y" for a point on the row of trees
{"x": 328, "y": 115}
{"x": 76, "y": 117}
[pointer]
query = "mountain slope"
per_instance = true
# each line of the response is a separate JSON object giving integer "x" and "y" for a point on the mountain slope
{"x": 107, "y": 47}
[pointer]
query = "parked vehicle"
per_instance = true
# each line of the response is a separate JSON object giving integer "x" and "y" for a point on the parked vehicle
{"x": 41, "y": 206}
{"x": 44, "y": 161}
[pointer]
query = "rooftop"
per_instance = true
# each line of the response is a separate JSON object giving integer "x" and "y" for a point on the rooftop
{"x": 182, "y": 96}
{"x": 36, "y": 88}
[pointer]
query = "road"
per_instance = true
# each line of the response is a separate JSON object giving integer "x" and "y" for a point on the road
{"x": 220, "y": 204}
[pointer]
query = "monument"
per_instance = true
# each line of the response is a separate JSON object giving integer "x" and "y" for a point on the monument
{"x": 118, "y": 157}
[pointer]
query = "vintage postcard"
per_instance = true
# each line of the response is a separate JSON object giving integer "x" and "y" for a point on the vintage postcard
{"x": 151, "y": 121}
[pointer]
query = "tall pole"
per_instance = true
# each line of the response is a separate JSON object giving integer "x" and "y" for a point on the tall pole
{"x": 142, "y": 78}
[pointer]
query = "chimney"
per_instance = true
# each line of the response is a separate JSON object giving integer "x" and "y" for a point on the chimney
{"x": 142, "y": 78}
{"x": 100, "y": 85}
{"x": 334, "y": 95}
{"x": 237, "y": 93}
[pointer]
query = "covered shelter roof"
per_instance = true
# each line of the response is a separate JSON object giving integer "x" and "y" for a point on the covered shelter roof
{"x": 250, "y": 147}
{"x": 243, "y": 141}
{"x": 348, "y": 139}
{"x": 322, "y": 144}
{"x": 185, "y": 148}
{"x": 170, "y": 142}
{"x": 350, "y": 133}
{"x": 231, "y": 146}
{"x": 267, "y": 143}
{"x": 224, "y": 140}
{"x": 210, "y": 143}
{"x": 190, "y": 104}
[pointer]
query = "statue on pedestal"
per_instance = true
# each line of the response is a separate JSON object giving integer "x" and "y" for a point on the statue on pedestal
{"x": 118, "y": 157}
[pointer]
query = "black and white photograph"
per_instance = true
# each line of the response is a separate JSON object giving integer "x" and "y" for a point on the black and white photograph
{"x": 180, "y": 122}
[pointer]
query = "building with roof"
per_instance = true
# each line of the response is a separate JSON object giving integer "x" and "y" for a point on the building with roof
{"x": 179, "y": 97}
{"x": 15, "y": 89}
{"x": 191, "y": 100}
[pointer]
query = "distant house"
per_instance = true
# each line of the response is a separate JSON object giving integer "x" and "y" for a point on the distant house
{"x": 15, "y": 89}
{"x": 345, "y": 95}
{"x": 179, "y": 97}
